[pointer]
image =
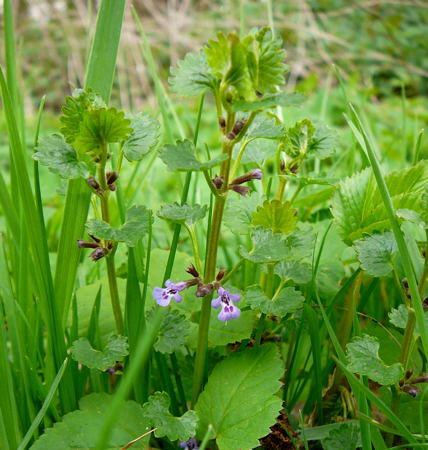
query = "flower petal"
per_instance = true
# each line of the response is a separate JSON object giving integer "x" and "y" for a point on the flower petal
{"x": 235, "y": 298}
{"x": 216, "y": 302}
{"x": 161, "y": 297}
{"x": 177, "y": 297}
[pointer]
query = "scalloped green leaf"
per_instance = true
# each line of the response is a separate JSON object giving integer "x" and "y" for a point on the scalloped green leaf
{"x": 270, "y": 101}
{"x": 294, "y": 269}
{"x": 376, "y": 253}
{"x": 239, "y": 398}
{"x": 143, "y": 138}
{"x": 115, "y": 349}
{"x": 238, "y": 213}
{"x": 80, "y": 429}
{"x": 182, "y": 157}
{"x": 288, "y": 301}
{"x": 60, "y": 157}
{"x": 135, "y": 227}
{"x": 344, "y": 437}
{"x": 267, "y": 247}
{"x": 183, "y": 214}
{"x": 363, "y": 357}
{"x": 280, "y": 217}
{"x": 156, "y": 412}
{"x": 192, "y": 75}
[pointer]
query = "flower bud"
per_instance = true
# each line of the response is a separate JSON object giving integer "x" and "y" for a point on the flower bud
{"x": 222, "y": 122}
{"x": 93, "y": 183}
{"x": 204, "y": 290}
{"x": 413, "y": 391}
{"x": 220, "y": 274}
{"x": 84, "y": 244}
{"x": 255, "y": 174}
{"x": 241, "y": 190}
{"x": 191, "y": 269}
{"x": 98, "y": 253}
{"x": 218, "y": 182}
{"x": 237, "y": 127}
{"x": 111, "y": 177}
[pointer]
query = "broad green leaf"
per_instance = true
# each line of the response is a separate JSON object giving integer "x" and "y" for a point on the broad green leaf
{"x": 358, "y": 207}
{"x": 294, "y": 269}
{"x": 156, "y": 412}
{"x": 239, "y": 211}
{"x": 376, "y": 253}
{"x": 265, "y": 126}
{"x": 267, "y": 247}
{"x": 363, "y": 356}
{"x": 270, "y": 101}
{"x": 303, "y": 139}
{"x": 80, "y": 429}
{"x": 288, "y": 301}
{"x": 74, "y": 109}
{"x": 410, "y": 216}
{"x": 60, "y": 157}
{"x": 266, "y": 61}
{"x": 398, "y": 316}
{"x": 135, "y": 227}
{"x": 181, "y": 156}
{"x": 143, "y": 138}
{"x": 173, "y": 333}
{"x": 280, "y": 217}
{"x": 183, "y": 214}
{"x": 192, "y": 75}
{"x": 344, "y": 437}
{"x": 99, "y": 127}
{"x": 239, "y": 398}
{"x": 115, "y": 349}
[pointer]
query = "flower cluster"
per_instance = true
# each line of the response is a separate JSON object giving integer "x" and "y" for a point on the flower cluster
{"x": 225, "y": 299}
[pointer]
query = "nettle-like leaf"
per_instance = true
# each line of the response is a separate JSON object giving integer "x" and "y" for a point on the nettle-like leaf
{"x": 288, "y": 301}
{"x": 99, "y": 127}
{"x": 398, "y": 317}
{"x": 156, "y": 412}
{"x": 143, "y": 138}
{"x": 80, "y": 428}
{"x": 60, "y": 157}
{"x": 73, "y": 111}
{"x": 135, "y": 227}
{"x": 294, "y": 269}
{"x": 181, "y": 156}
{"x": 358, "y": 206}
{"x": 280, "y": 217}
{"x": 363, "y": 356}
{"x": 376, "y": 253}
{"x": 192, "y": 75}
{"x": 303, "y": 139}
{"x": 267, "y": 247}
{"x": 344, "y": 437}
{"x": 115, "y": 349}
{"x": 182, "y": 214}
{"x": 239, "y": 398}
{"x": 238, "y": 213}
{"x": 173, "y": 332}
{"x": 270, "y": 101}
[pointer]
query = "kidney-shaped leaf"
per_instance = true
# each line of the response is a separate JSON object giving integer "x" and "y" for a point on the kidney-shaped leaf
{"x": 144, "y": 136}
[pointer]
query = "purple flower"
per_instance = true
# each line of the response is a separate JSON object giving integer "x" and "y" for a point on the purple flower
{"x": 256, "y": 174}
{"x": 191, "y": 444}
{"x": 226, "y": 300}
{"x": 163, "y": 296}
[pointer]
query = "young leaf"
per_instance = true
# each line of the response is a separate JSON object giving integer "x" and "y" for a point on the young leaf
{"x": 288, "y": 301}
{"x": 144, "y": 136}
{"x": 182, "y": 214}
{"x": 398, "y": 316}
{"x": 173, "y": 332}
{"x": 156, "y": 412}
{"x": 192, "y": 75}
{"x": 376, "y": 252}
{"x": 80, "y": 428}
{"x": 181, "y": 156}
{"x": 99, "y": 127}
{"x": 277, "y": 216}
{"x": 363, "y": 356}
{"x": 74, "y": 110}
{"x": 115, "y": 350}
{"x": 270, "y": 101}
{"x": 60, "y": 157}
{"x": 239, "y": 399}
{"x": 267, "y": 247}
{"x": 135, "y": 227}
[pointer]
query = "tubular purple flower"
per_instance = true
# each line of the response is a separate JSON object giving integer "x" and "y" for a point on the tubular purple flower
{"x": 191, "y": 444}
{"x": 255, "y": 174}
{"x": 226, "y": 300}
{"x": 171, "y": 290}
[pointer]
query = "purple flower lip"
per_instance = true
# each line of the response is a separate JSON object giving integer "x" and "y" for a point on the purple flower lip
{"x": 171, "y": 290}
{"x": 226, "y": 300}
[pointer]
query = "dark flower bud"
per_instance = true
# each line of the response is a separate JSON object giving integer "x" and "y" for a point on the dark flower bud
{"x": 222, "y": 122}
{"x": 420, "y": 379}
{"x": 425, "y": 303}
{"x": 282, "y": 165}
{"x": 237, "y": 127}
{"x": 413, "y": 391}
{"x": 241, "y": 190}
{"x": 111, "y": 177}
{"x": 408, "y": 374}
{"x": 94, "y": 238}
{"x": 218, "y": 182}
{"x": 405, "y": 283}
{"x": 255, "y": 174}
{"x": 259, "y": 94}
{"x": 204, "y": 290}
{"x": 191, "y": 269}
{"x": 294, "y": 168}
{"x": 401, "y": 383}
{"x": 424, "y": 252}
{"x": 93, "y": 183}
{"x": 84, "y": 244}
{"x": 98, "y": 253}
{"x": 112, "y": 187}
{"x": 220, "y": 274}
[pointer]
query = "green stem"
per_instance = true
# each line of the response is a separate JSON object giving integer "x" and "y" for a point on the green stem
{"x": 195, "y": 247}
{"x": 408, "y": 337}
